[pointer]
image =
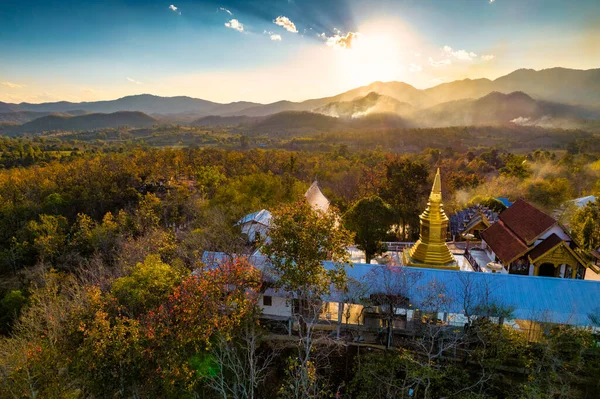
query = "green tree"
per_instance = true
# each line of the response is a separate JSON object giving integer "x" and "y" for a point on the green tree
{"x": 148, "y": 285}
{"x": 370, "y": 220}
{"x": 405, "y": 188}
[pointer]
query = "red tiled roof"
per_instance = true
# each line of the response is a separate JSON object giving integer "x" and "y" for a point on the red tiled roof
{"x": 505, "y": 244}
{"x": 544, "y": 246}
{"x": 526, "y": 221}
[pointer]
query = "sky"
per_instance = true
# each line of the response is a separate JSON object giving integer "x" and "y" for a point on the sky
{"x": 271, "y": 50}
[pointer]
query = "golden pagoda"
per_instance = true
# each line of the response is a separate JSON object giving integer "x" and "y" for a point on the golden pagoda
{"x": 431, "y": 249}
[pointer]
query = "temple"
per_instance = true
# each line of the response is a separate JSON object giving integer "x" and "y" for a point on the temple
{"x": 431, "y": 250}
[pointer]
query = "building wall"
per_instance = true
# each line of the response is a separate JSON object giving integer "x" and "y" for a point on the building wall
{"x": 554, "y": 230}
{"x": 280, "y": 307}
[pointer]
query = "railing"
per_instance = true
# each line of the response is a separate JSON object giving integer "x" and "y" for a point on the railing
{"x": 472, "y": 261}
{"x": 397, "y": 246}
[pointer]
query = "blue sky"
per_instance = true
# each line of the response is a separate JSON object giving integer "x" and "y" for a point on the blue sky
{"x": 241, "y": 50}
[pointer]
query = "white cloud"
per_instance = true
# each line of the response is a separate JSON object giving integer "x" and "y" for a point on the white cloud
{"x": 89, "y": 91}
{"x": 235, "y": 24}
{"x": 491, "y": 1}
{"x": 12, "y": 85}
{"x": 415, "y": 68}
{"x": 440, "y": 63}
{"x": 463, "y": 55}
{"x": 276, "y": 38}
{"x": 175, "y": 9}
{"x": 286, "y": 24}
{"x": 488, "y": 57}
{"x": 340, "y": 41}
{"x": 226, "y": 10}
{"x": 322, "y": 36}
{"x": 137, "y": 82}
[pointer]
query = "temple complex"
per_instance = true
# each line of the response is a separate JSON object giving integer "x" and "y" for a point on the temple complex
{"x": 431, "y": 250}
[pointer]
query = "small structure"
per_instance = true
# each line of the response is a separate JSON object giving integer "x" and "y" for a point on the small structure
{"x": 431, "y": 250}
{"x": 315, "y": 198}
{"x": 472, "y": 220}
{"x": 256, "y": 225}
{"x": 527, "y": 241}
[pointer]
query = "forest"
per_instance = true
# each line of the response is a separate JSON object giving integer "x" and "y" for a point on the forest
{"x": 103, "y": 292}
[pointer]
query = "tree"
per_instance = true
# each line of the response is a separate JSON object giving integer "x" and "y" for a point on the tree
{"x": 585, "y": 225}
{"x": 405, "y": 188}
{"x": 181, "y": 330}
{"x": 300, "y": 240}
{"x": 370, "y": 220}
{"x": 149, "y": 284}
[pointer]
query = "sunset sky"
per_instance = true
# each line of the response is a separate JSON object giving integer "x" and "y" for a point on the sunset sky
{"x": 270, "y": 50}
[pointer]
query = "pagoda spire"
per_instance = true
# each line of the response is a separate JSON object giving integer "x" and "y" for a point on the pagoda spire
{"x": 431, "y": 249}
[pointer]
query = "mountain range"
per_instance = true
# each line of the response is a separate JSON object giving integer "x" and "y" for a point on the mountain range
{"x": 547, "y": 97}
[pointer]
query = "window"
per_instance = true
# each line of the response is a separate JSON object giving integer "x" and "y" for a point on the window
{"x": 267, "y": 300}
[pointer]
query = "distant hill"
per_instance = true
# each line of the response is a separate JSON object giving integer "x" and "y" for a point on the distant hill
{"x": 362, "y": 106}
{"x": 215, "y": 120}
{"x": 562, "y": 85}
{"x": 300, "y": 122}
{"x": 26, "y": 116}
{"x": 144, "y": 103}
{"x": 556, "y": 85}
{"x": 498, "y": 108}
{"x": 84, "y": 122}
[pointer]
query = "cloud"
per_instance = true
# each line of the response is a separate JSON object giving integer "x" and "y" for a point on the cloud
{"x": 137, "y": 82}
{"x": 463, "y": 55}
{"x": 89, "y": 91}
{"x": 488, "y": 57}
{"x": 340, "y": 41}
{"x": 175, "y": 9}
{"x": 235, "y": 24}
{"x": 491, "y": 1}
{"x": 12, "y": 85}
{"x": 276, "y": 38}
{"x": 286, "y": 24}
{"x": 226, "y": 10}
{"x": 440, "y": 63}
{"x": 415, "y": 68}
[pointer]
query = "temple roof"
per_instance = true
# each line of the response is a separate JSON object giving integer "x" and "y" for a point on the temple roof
{"x": 315, "y": 197}
{"x": 505, "y": 244}
{"x": 545, "y": 246}
{"x": 526, "y": 221}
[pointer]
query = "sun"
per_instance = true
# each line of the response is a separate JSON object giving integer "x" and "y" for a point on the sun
{"x": 378, "y": 54}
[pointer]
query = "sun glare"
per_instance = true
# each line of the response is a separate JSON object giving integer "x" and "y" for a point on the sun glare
{"x": 378, "y": 54}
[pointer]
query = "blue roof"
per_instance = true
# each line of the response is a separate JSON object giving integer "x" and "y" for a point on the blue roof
{"x": 263, "y": 217}
{"x": 543, "y": 299}
{"x": 505, "y": 201}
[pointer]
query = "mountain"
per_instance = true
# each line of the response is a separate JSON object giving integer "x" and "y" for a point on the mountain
{"x": 144, "y": 103}
{"x": 299, "y": 122}
{"x": 399, "y": 91}
{"x": 562, "y": 85}
{"x": 359, "y": 107}
{"x": 84, "y": 122}
{"x": 215, "y": 120}
{"x": 26, "y": 116}
{"x": 498, "y": 108}
{"x": 556, "y": 85}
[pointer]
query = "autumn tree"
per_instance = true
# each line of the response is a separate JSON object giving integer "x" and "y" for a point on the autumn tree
{"x": 370, "y": 220}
